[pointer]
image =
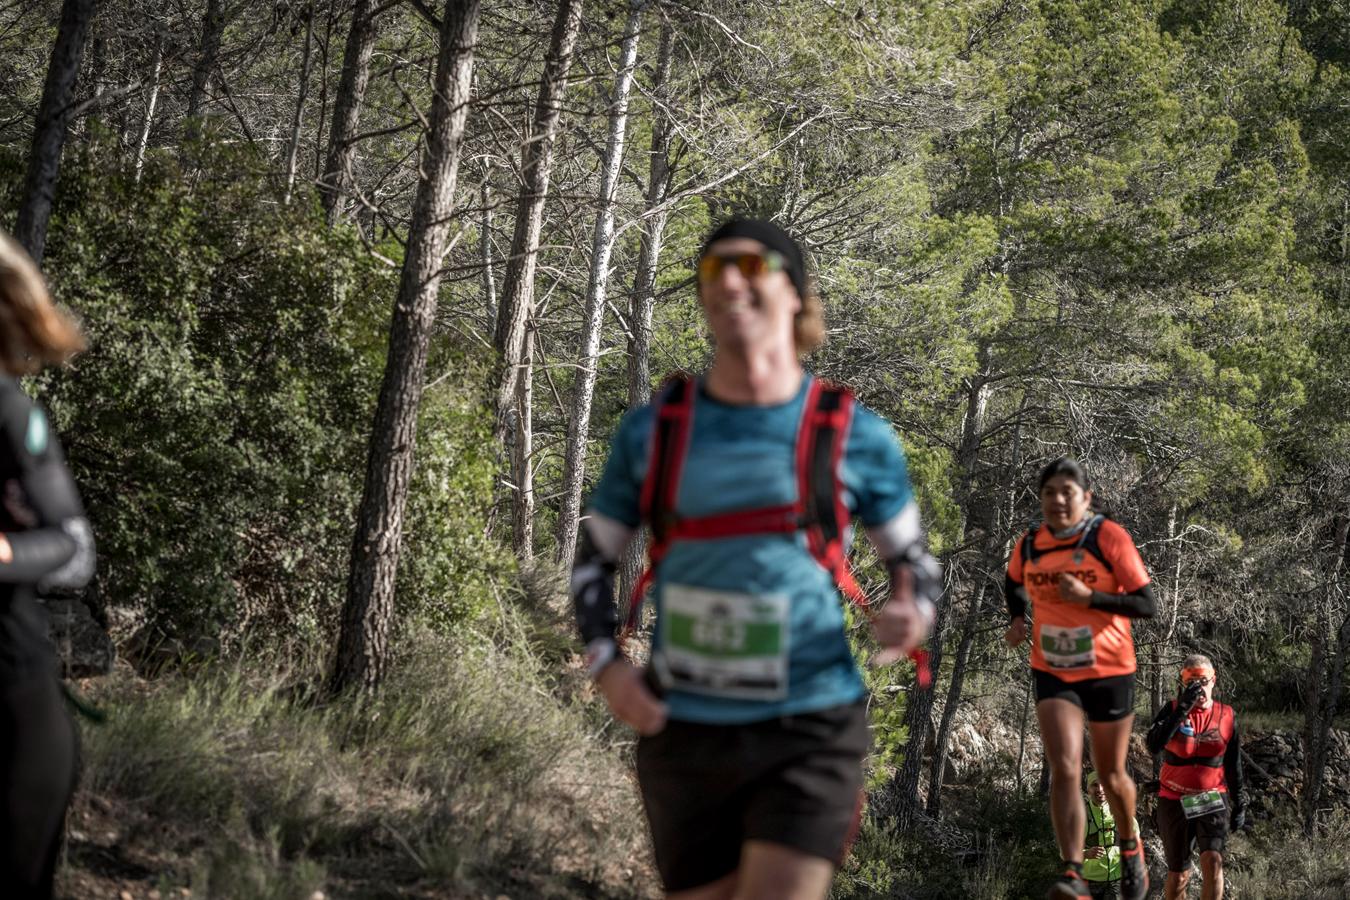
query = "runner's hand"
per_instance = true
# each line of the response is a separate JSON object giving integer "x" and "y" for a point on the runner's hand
{"x": 899, "y": 628}
{"x": 632, "y": 702}
{"x": 1192, "y": 695}
{"x": 1016, "y": 633}
{"x": 1071, "y": 590}
{"x": 1094, "y": 852}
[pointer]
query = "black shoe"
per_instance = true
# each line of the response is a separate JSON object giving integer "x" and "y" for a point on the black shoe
{"x": 1069, "y": 886}
{"x": 1133, "y": 873}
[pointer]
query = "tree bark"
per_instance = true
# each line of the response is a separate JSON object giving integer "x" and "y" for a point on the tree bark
{"x": 939, "y": 767}
{"x": 213, "y": 28}
{"x": 49, "y": 135}
{"x": 1326, "y": 677}
{"x": 517, "y": 294}
{"x": 362, "y": 655}
{"x": 644, "y": 281}
{"x": 485, "y": 251}
{"x": 336, "y": 182}
{"x": 602, "y": 247}
{"x": 904, "y": 788}
{"x": 522, "y": 463}
{"x": 151, "y": 98}
{"x": 293, "y": 149}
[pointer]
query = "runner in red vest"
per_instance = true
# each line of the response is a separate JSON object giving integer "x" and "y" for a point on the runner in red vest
{"x": 1201, "y": 790}
{"x": 1081, "y": 577}
{"x": 752, "y": 714}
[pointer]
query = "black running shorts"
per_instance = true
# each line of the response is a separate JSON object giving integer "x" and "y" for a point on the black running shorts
{"x": 795, "y": 781}
{"x": 1210, "y": 832}
{"x": 1101, "y": 699}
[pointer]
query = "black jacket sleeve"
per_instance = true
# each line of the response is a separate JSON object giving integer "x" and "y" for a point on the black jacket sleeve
{"x": 1137, "y": 605}
{"x": 1015, "y": 597}
{"x": 46, "y": 536}
{"x": 1232, "y": 771}
{"x": 1165, "y": 724}
{"x": 592, "y": 589}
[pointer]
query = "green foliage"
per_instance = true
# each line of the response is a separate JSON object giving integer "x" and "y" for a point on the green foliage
{"x": 218, "y": 424}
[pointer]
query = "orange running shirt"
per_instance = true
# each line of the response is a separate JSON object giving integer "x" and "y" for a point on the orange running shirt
{"x": 1071, "y": 642}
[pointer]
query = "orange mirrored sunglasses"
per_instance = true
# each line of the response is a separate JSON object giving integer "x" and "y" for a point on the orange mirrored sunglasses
{"x": 750, "y": 265}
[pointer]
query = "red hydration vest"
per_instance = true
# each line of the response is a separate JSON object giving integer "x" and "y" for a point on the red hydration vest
{"x": 1193, "y": 763}
{"x": 819, "y": 510}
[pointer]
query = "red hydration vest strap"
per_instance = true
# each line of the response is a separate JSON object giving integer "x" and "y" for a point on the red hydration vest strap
{"x": 819, "y": 511}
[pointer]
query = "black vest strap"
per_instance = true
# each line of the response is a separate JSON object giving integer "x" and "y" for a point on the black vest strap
{"x": 1172, "y": 759}
{"x": 1087, "y": 540}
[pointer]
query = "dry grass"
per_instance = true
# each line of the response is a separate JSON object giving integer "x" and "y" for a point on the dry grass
{"x": 470, "y": 774}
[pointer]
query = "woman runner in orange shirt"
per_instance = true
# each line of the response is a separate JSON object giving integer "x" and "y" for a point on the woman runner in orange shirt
{"x": 1082, "y": 580}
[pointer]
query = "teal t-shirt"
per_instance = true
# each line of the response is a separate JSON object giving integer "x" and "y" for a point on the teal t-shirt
{"x": 743, "y": 458}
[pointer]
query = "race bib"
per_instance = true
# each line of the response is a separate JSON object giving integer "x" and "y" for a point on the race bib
{"x": 725, "y": 644}
{"x": 1196, "y": 805}
{"x": 1068, "y": 648}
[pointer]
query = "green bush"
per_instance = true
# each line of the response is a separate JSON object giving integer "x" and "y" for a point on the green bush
{"x": 218, "y": 424}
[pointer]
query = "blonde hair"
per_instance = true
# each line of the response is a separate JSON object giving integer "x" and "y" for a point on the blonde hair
{"x": 33, "y": 331}
{"x": 808, "y": 326}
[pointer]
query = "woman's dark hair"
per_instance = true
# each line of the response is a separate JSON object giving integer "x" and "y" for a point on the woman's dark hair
{"x": 1075, "y": 471}
{"x": 1064, "y": 466}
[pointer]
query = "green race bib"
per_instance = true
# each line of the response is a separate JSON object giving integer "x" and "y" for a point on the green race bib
{"x": 1067, "y": 648}
{"x": 725, "y": 644}
{"x": 1196, "y": 805}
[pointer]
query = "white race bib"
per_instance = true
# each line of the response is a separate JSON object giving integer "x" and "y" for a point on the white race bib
{"x": 1068, "y": 648}
{"x": 723, "y": 643}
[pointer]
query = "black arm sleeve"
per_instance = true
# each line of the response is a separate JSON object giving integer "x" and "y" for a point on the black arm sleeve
{"x": 1136, "y": 605}
{"x": 592, "y": 590}
{"x": 924, "y": 569}
{"x": 1164, "y": 725}
{"x": 1232, "y": 770}
{"x": 1015, "y": 596}
{"x": 43, "y": 519}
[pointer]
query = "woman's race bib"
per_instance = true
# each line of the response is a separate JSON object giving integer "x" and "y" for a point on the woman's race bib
{"x": 1067, "y": 648}
{"x": 723, "y": 643}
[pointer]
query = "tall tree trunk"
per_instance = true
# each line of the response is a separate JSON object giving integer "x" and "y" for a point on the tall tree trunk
{"x": 49, "y": 135}
{"x": 904, "y": 787}
{"x": 367, "y": 613}
{"x": 597, "y": 288}
{"x": 1022, "y": 731}
{"x": 151, "y": 98}
{"x": 644, "y": 281}
{"x": 939, "y": 767}
{"x": 213, "y": 28}
{"x": 517, "y": 295}
{"x": 336, "y": 181}
{"x": 1326, "y": 676}
{"x": 522, "y": 463}
{"x": 485, "y": 251}
{"x": 293, "y": 149}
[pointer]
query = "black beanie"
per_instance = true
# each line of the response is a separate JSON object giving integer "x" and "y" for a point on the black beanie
{"x": 772, "y": 237}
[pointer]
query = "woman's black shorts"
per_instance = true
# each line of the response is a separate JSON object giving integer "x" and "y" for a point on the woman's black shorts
{"x": 1101, "y": 699}
{"x": 795, "y": 781}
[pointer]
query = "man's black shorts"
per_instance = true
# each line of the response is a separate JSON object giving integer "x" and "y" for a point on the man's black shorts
{"x": 795, "y": 781}
{"x": 1101, "y": 699}
{"x": 1210, "y": 832}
